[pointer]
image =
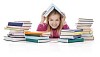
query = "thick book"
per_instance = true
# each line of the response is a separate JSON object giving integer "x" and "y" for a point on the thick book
{"x": 71, "y": 40}
{"x": 51, "y": 8}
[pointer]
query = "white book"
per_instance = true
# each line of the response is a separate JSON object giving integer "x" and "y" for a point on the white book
{"x": 86, "y": 22}
{"x": 85, "y": 19}
{"x": 17, "y": 33}
{"x": 16, "y": 36}
{"x": 23, "y": 21}
{"x": 63, "y": 40}
{"x": 34, "y": 37}
{"x": 67, "y": 37}
{"x": 16, "y": 27}
{"x": 52, "y": 7}
{"x": 43, "y": 41}
{"x": 13, "y": 39}
{"x": 80, "y": 24}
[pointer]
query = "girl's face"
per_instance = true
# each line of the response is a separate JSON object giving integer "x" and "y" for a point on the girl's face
{"x": 54, "y": 20}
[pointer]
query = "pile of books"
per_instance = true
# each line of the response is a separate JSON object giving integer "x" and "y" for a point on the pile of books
{"x": 36, "y": 37}
{"x": 71, "y": 36}
{"x": 86, "y": 24}
{"x": 17, "y": 29}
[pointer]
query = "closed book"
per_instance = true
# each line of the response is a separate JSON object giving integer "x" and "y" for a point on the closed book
{"x": 88, "y": 37}
{"x": 34, "y": 37}
{"x": 38, "y": 40}
{"x": 85, "y": 19}
{"x": 71, "y": 33}
{"x": 16, "y": 33}
{"x": 71, "y": 40}
{"x": 18, "y": 24}
{"x": 71, "y": 30}
{"x": 71, "y": 37}
{"x": 16, "y": 36}
{"x": 13, "y": 39}
{"x": 17, "y": 27}
{"x": 37, "y": 33}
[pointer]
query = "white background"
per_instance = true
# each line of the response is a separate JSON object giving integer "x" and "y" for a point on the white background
{"x": 15, "y": 10}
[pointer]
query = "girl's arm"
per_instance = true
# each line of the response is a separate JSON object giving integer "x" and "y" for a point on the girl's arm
{"x": 42, "y": 26}
{"x": 65, "y": 26}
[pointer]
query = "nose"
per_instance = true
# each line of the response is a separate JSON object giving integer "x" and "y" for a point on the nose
{"x": 54, "y": 23}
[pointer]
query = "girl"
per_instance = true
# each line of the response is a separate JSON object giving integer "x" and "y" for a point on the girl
{"x": 54, "y": 23}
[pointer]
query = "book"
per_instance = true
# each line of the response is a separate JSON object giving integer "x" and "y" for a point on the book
{"x": 88, "y": 37}
{"x": 86, "y": 19}
{"x": 16, "y": 27}
{"x": 71, "y": 33}
{"x": 19, "y": 24}
{"x": 71, "y": 37}
{"x": 71, "y": 30}
{"x": 71, "y": 40}
{"x": 35, "y": 37}
{"x": 37, "y": 33}
{"x": 13, "y": 39}
{"x": 38, "y": 40}
{"x": 51, "y": 8}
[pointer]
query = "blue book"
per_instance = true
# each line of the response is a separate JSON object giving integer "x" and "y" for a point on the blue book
{"x": 15, "y": 24}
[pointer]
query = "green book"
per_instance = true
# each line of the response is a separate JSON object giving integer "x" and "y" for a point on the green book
{"x": 38, "y": 40}
{"x": 71, "y": 40}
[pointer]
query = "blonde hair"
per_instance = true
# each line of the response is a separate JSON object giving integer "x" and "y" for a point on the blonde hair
{"x": 49, "y": 29}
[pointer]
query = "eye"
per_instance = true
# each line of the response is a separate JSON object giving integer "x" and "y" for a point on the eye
{"x": 51, "y": 19}
{"x": 57, "y": 19}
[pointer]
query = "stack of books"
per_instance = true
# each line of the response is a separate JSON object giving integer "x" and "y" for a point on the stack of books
{"x": 86, "y": 24}
{"x": 71, "y": 36}
{"x": 17, "y": 29}
{"x": 36, "y": 37}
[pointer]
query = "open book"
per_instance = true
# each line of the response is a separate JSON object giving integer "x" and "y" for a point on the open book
{"x": 52, "y": 7}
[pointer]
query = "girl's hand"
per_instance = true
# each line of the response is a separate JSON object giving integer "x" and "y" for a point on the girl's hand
{"x": 43, "y": 17}
{"x": 63, "y": 18}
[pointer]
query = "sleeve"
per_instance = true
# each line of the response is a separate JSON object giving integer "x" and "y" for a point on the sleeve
{"x": 65, "y": 26}
{"x": 42, "y": 27}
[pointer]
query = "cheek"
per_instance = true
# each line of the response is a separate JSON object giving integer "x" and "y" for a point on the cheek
{"x": 50, "y": 23}
{"x": 57, "y": 22}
